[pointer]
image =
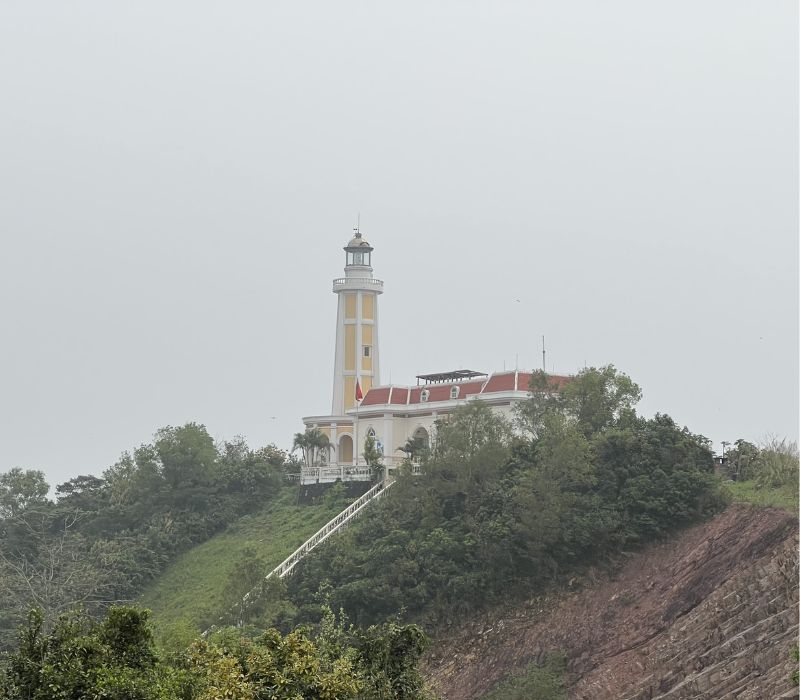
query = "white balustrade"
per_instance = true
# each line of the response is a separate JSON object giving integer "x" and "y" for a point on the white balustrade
{"x": 357, "y": 283}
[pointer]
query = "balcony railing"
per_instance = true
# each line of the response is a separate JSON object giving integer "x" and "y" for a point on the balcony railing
{"x": 328, "y": 474}
{"x": 357, "y": 283}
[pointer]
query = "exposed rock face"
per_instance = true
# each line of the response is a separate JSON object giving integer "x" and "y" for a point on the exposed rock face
{"x": 710, "y": 614}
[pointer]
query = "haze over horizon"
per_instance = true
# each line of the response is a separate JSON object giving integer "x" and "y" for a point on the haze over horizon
{"x": 178, "y": 182}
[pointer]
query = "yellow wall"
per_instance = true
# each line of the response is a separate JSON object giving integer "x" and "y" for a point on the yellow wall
{"x": 368, "y": 306}
{"x": 366, "y": 339}
{"x": 349, "y": 305}
{"x": 366, "y": 384}
{"x": 350, "y": 392}
{"x": 350, "y": 347}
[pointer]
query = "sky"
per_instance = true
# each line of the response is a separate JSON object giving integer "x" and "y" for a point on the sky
{"x": 177, "y": 181}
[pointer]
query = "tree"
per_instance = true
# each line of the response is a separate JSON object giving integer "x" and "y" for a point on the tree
{"x": 742, "y": 463}
{"x": 545, "y": 399}
{"x": 374, "y": 458}
{"x": 45, "y": 562}
{"x": 187, "y": 454}
{"x": 114, "y": 659}
{"x": 314, "y": 444}
{"x": 777, "y": 464}
{"x": 20, "y": 490}
{"x": 596, "y": 398}
{"x": 80, "y": 658}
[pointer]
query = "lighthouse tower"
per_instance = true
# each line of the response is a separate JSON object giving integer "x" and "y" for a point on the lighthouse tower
{"x": 357, "y": 356}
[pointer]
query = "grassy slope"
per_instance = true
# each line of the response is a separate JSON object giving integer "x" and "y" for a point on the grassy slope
{"x": 191, "y": 587}
{"x": 785, "y": 497}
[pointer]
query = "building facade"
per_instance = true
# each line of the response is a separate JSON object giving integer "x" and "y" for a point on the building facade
{"x": 393, "y": 414}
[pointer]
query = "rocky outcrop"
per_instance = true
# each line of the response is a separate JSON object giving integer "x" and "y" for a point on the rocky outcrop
{"x": 710, "y": 614}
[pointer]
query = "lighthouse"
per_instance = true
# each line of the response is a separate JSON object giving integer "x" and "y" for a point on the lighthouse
{"x": 402, "y": 419}
{"x": 357, "y": 356}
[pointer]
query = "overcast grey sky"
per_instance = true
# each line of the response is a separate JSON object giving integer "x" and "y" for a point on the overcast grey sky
{"x": 177, "y": 180}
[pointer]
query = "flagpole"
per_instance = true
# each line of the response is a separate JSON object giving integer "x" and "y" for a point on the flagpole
{"x": 355, "y": 430}
{"x": 357, "y": 406}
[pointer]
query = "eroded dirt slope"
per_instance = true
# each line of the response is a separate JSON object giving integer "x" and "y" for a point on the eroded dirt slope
{"x": 710, "y": 614}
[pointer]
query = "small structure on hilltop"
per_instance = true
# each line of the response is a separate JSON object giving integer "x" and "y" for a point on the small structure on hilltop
{"x": 396, "y": 417}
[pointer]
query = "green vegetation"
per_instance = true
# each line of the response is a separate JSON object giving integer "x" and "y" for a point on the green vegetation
{"x": 785, "y": 497}
{"x": 115, "y": 659}
{"x": 496, "y": 514}
{"x": 191, "y": 592}
{"x": 104, "y": 539}
{"x": 188, "y": 527}
{"x": 545, "y": 681}
{"x": 765, "y": 475}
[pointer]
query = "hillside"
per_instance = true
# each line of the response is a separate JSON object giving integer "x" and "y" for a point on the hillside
{"x": 712, "y": 612}
{"x": 190, "y": 589}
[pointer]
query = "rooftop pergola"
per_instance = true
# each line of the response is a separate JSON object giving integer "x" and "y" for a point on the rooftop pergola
{"x": 454, "y": 376}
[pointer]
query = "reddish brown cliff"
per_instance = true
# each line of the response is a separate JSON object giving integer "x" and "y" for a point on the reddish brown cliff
{"x": 710, "y": 614}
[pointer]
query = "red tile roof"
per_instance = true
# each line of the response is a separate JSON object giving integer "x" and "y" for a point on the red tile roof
{"x": 399, "y": 395}
{"x": 377, "y": 396}
{"x": 556, "y": 381}
{"x": 499, "y": 382}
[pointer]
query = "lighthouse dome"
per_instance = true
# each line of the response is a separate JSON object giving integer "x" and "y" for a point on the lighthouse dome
{"x": 358, "y": 242}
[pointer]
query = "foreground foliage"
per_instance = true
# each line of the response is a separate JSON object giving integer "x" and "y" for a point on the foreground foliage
{"x": 114, "y": 659}
{"x": 496, "y": 512}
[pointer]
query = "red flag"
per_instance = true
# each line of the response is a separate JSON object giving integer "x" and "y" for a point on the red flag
{"x": 359, "y": 394}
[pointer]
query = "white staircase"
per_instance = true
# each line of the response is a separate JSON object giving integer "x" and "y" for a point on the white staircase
{"x": 340, "y": 521}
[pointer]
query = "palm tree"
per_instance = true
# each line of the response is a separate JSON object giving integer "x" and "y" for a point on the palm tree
{"x": 313, "y": 443}
{"x": 410, "y": 448}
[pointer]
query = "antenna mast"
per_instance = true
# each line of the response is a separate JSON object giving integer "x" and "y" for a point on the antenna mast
{"x": 544, "y": 357}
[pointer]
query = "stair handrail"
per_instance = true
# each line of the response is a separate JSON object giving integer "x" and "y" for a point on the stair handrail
{"x": 336, "y": 523}
{"x": 328, "y": 529}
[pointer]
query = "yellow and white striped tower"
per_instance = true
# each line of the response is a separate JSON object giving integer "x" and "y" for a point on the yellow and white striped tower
{"x": 357, "y": 355}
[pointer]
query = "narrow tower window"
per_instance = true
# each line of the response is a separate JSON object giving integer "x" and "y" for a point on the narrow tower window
{"x": 367, "y": 351}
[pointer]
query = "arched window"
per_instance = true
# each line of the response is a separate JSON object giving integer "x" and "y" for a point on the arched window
{"x": 421, "y": 439}
{"x": 345, "y": 449}
{"x": 424, "y": 394}
{"x": 371, "y": 433}
{"x": 454, "y": 391}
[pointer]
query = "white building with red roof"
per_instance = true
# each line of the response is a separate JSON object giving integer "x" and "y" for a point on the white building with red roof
{"x": 391, "y": 414}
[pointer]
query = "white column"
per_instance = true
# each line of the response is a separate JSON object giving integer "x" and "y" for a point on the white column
{"x": 337, "y": 407}
{"x": 388, "y": 440}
